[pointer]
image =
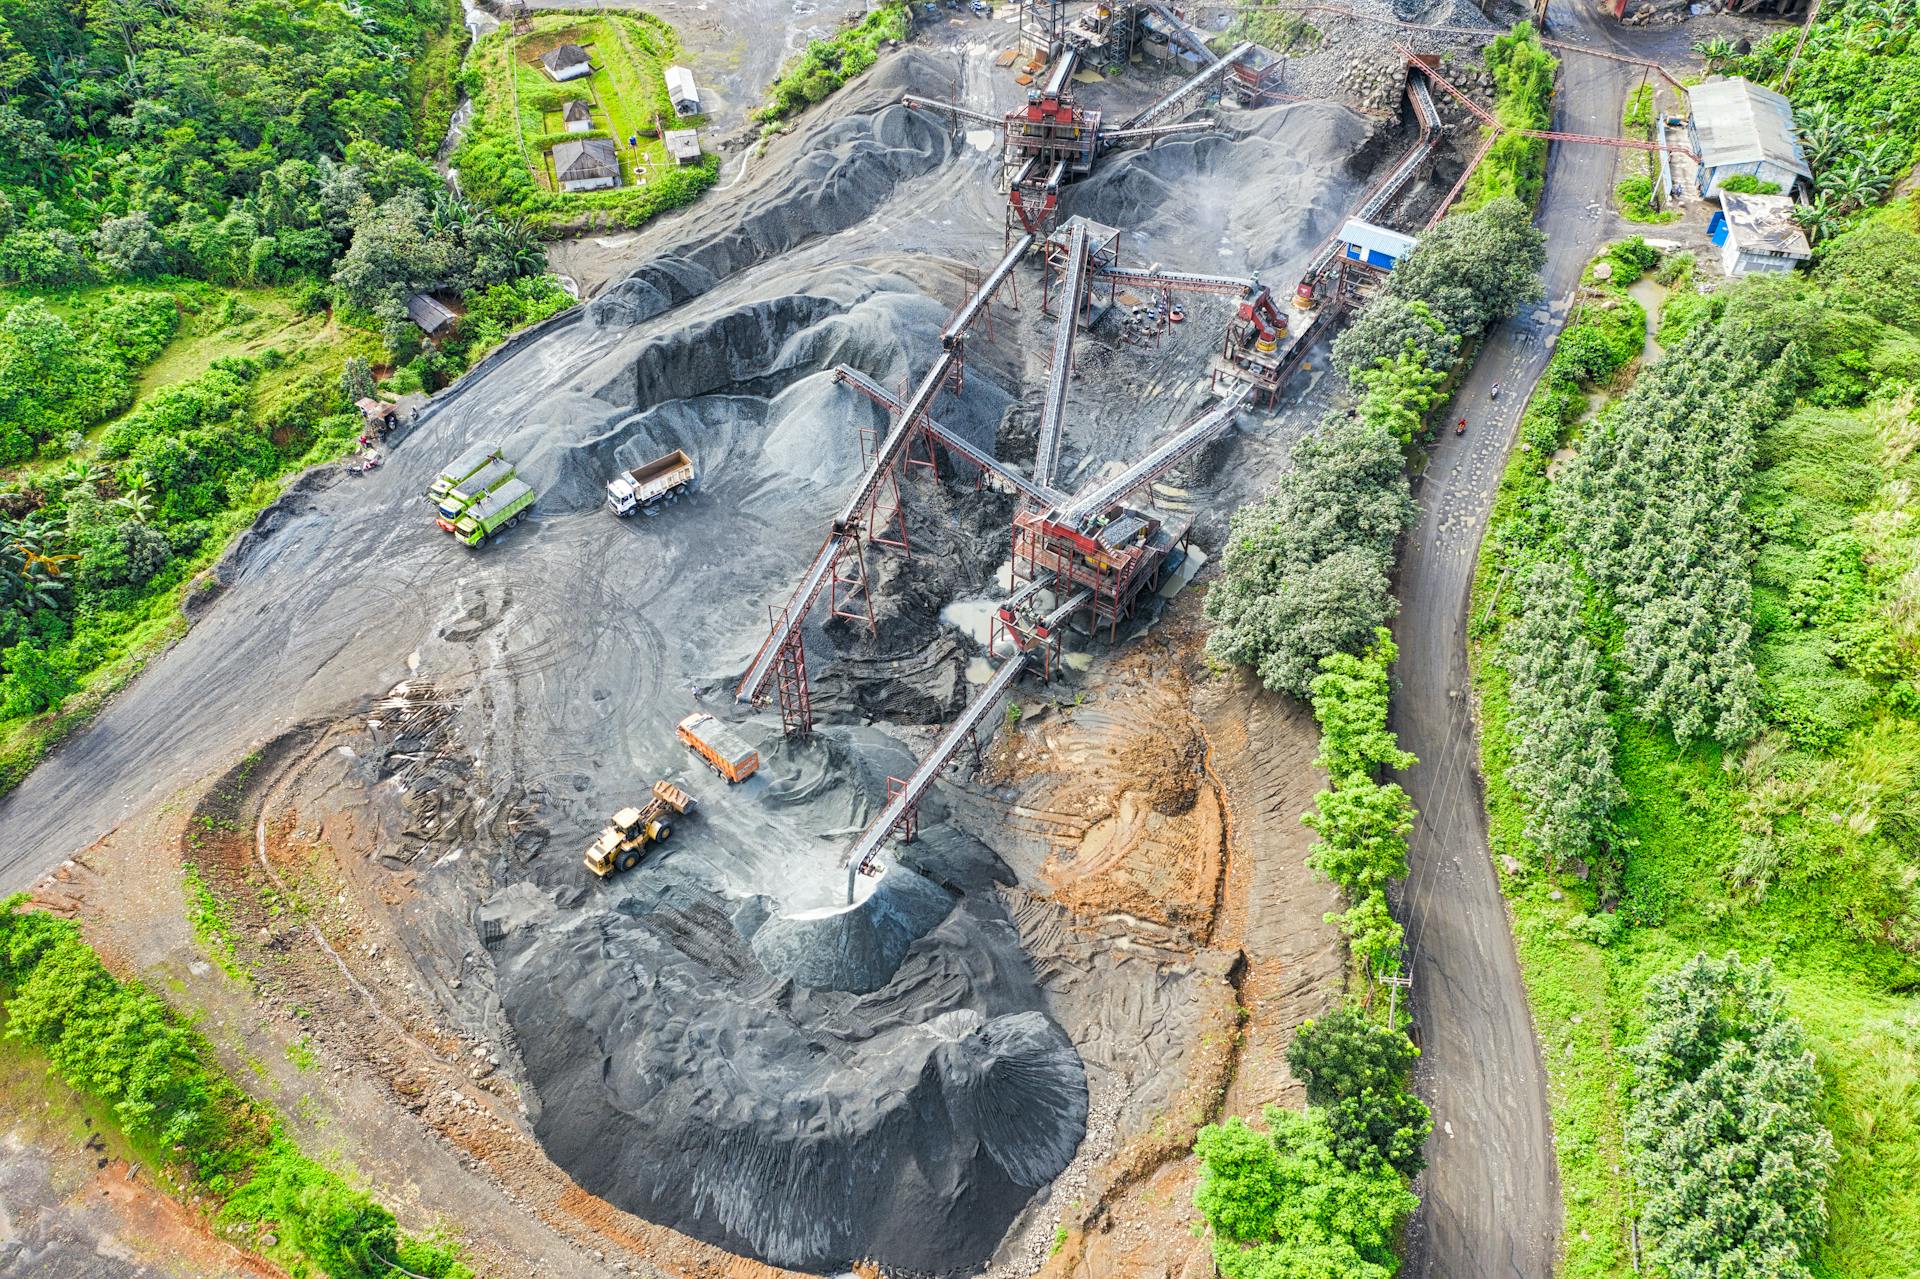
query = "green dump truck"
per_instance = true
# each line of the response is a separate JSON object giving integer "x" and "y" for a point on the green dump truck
{"x": 462, "y": 468}
{"x": 491, "y": 475}
{"x": 496, "y": 512}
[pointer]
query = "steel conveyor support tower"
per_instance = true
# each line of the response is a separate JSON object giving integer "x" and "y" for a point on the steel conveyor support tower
{"x": 782, "y": 648}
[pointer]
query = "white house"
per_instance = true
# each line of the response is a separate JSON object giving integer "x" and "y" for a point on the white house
{"x": 568, "y": 62}
{"x": 1757, "y": 233}
{"x": 1375, "y": 246}
{"x": 1735, "y": 126}
{"x": 683, "y": 91}
{"x": 588, "y": 165}
{"x": 683, "y": 145}
{"x": 576, "y": 116}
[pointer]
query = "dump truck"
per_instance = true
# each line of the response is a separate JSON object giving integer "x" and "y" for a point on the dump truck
{"x": 462, "y": 467}
{"x": 632, "y": 831}
{"x": 492, "y": 514}
{"x": 725, "y": 752}
{"x": 492, "y": 475}
{"x": 645, "y": 488}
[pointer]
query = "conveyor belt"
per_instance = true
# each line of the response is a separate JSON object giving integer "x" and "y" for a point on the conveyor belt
{"x": 1040, "y": 493}
{"x": 846, "y": 524}
{"x": 865, "y": 849}
{"x": 1178, "y": 281}
{"x": 916, "y": 102}
{"x": 1046, "y": 458}
{"x": 1188, "y": 36}
{"x": 1192, "y": 85}
{"x": 1383, "y": 192}
{"x": 1100, "y": 498}
{"x": 1114, "y": 137}
{"x": 970, "y": 310}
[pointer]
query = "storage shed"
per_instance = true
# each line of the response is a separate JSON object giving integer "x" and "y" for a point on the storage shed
{"x": 684, "y": 93}
{"x": 577, "y": 116}
{"x": 1757, "y": 233}
{"x": 588, "y": 165}
{"x": 568, "y": 62}
{"x": 683, "y": 145}
{"x": 432, "y": 315}
{"x": 1735, "y": 126}
{"x": 1375, "y": 246}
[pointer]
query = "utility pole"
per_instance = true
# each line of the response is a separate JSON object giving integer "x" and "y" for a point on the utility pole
{"x": 1813, "y": 12}
{"x": 1395, "y": 984}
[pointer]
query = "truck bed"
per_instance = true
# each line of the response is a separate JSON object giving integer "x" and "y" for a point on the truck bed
{"x": 499, "y": 500}
{"x": 465, "y": 465}
{"x": 641, "y": 476}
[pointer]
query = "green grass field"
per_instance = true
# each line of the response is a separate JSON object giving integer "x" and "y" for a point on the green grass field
{"x": 518, "y": 121}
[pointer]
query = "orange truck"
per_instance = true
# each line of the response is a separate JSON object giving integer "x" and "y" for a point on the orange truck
{"x": 723, "y": 749}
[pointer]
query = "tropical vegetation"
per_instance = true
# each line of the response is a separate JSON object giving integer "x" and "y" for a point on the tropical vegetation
{"x": 1696, "y": 656}
{"x": 1305, "y": 570}
{"x": 1515, "y": 166}
{"x": 208, "y": 213}
{"x": 1722, "y": 1125}
{"x": 505, "y": 157}
{"x": 824, "y": 65}
{"x": 120, "y": 1044}
{"x": 1855, "y": 87}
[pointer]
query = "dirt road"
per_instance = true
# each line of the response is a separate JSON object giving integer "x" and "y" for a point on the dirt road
{"x": 1491, "y": 1199}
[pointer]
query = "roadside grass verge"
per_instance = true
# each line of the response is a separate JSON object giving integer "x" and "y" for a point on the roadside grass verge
{"x": 1523, "y": 73}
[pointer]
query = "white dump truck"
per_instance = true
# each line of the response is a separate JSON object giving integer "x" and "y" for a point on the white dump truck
{"x": 647, "y": 488}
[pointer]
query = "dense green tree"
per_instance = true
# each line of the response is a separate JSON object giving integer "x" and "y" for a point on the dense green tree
{"x": 1281, "y": 1205}
{"x": 1305, "y": 571}
{"x": 1356, "y": 1071}
{"x": 1475, "y": 268}
{"x": 1731, "y": 1161}
{"x": 1563, "y": 762}
{"x": 1388, "y": 326}
{"x": 1350, "y": 700}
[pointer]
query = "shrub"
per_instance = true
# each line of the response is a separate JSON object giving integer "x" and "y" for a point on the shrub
{"x": 1356, "y": 1072}
{"x": 1281, "y": 1202}
{"x": 1747, "y": 184}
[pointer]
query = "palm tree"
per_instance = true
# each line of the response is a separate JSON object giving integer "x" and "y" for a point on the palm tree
{"x": 1716, "y": 53}
{"x": 1818, "y": 219}
{"x": 1823, "y": 134}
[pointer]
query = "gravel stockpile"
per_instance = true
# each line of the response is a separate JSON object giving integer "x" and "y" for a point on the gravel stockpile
{"x": 680, "y": 1079}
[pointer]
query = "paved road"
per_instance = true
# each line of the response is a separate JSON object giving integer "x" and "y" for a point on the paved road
{"x": 1491, "y": 1200}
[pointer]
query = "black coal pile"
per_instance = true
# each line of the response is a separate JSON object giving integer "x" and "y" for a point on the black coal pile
{"x": 873, "y": 1082}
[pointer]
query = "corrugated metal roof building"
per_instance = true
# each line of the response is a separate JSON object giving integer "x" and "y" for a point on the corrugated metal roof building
{"x": 1736, "y": 126}
{"x": 683, "y": 92}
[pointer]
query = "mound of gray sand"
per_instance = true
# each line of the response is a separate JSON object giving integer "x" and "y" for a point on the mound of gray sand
{"x": 678, "y": 1075}
{"x": 1219, "y": 203}
{"x": 847, "y": 163}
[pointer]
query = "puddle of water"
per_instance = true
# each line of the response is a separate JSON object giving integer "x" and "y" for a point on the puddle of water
{"x": 1651, "y": 296}
{"x": 1076, "y": 661}
{"x": 1195, "y": 561}
{"x": 972, "y": 616}
{"x": 980, "y": 139}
